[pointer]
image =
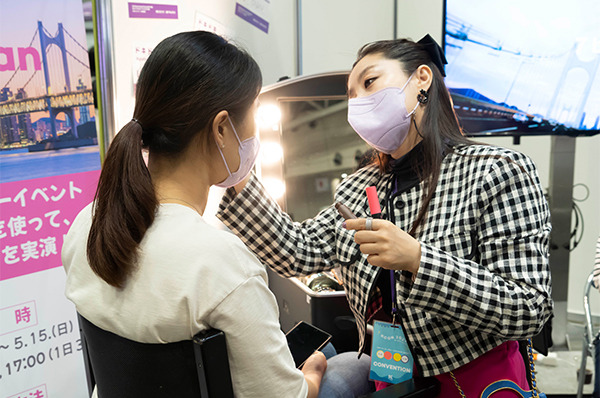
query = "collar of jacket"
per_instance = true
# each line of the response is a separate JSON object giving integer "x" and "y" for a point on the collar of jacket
{"x": 401, "y": 177}
{"x": 404, "y": 170}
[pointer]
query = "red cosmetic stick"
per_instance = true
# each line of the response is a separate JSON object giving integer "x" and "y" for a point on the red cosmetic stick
{"x": 374, "y": 206}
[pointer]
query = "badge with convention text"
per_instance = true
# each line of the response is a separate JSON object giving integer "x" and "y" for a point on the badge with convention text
{"x": 391, "y": 360}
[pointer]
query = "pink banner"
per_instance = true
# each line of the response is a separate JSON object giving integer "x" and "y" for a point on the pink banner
{"x": 17, "y": 317}
{"x": 35, "y": 392}
{"x": 34, "y": 217}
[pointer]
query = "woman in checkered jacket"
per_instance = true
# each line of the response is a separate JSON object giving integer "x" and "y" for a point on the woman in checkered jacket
{"x": 464, "y": 227}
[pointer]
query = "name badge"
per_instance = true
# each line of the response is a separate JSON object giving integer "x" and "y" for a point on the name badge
{"x": 391, "y": 360}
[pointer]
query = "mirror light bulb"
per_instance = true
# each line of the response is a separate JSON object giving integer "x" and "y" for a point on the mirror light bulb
{"x": 269, "y": 115}
{"x": 275, "y": 187}
{"x": 270, "y": 152}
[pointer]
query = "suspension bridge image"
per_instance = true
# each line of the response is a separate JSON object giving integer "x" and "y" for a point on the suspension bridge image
{"x": 523, "y": 82}
{"x": 50, "y": 75}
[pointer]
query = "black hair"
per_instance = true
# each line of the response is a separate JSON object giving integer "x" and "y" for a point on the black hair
{"x": 187, "y": 79}
{"x": 439, "y": 126}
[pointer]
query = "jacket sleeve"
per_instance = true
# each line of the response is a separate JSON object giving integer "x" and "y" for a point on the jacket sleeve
{"x": 507, "y": 292}
{"x": 290, "y": 248}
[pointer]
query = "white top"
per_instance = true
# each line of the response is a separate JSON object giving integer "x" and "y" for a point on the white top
{"x": 191, "y": 277}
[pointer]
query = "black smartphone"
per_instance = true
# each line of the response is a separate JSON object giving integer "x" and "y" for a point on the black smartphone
{"x": 304, "y": 339}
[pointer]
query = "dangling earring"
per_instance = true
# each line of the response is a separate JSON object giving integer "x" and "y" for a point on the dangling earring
{"x": 423, "y": 97}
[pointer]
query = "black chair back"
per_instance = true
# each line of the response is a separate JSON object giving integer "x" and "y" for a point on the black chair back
{"x": 123, "y": 368}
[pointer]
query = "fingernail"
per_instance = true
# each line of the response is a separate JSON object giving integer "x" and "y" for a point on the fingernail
{"x": 344, "y": 224}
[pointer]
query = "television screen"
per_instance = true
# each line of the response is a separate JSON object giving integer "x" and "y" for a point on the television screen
{"x": 524, "y": 67}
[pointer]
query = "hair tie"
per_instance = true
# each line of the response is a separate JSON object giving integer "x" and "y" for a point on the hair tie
{"x": 435, "y": 52}
{"x": 137, "y": 121}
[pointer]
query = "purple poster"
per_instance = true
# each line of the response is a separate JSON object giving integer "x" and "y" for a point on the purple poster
{"x": 251, "y": 17}
{"x": 148, "y": 10}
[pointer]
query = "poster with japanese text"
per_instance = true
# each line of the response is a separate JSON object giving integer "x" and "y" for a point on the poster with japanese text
{"x": 49, "y": 168}
{"x": 141, "y": 52}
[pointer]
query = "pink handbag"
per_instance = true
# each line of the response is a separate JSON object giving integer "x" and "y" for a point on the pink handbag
{"x": 501, "y": 363}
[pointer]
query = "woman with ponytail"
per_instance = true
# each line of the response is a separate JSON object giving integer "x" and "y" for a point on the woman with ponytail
{"x": 140, "y": 260}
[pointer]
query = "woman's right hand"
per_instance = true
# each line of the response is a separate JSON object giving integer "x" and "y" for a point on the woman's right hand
{"x": 314, "y": 369}
{"x": 315, "y": 363}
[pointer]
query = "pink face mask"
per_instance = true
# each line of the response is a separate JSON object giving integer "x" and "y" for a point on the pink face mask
{"x": 248, "y": 151}
{"x": 381, "y": 119}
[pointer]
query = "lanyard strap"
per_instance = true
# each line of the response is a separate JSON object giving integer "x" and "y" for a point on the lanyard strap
{"x": 392, "y": 273}
{"x": 394, "y": 300}
{"x": 375, "y": 211}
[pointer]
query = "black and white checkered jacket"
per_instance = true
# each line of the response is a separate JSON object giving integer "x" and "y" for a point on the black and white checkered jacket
{"x": 484, "y": 276}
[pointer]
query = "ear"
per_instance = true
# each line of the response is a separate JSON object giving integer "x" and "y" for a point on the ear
{"x": 218, "y": 126}
{"x": 424, "y": 77}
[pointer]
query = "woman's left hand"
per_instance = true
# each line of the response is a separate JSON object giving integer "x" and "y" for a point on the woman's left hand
{"x": 386, "y": 245}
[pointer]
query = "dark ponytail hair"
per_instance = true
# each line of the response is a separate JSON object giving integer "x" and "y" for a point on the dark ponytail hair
{"x": 186, "y": 81}
{"x": 439, "y": 127}
{"x": 124, "y": 207}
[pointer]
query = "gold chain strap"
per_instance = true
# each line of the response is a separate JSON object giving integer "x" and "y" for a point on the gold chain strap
{"x": 532, "y": 368}
{"x": 462, "y": 394}
{"x": 534, "y": 391}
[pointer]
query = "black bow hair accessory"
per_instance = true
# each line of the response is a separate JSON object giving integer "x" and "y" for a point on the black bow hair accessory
{"x": 435, "y": 52}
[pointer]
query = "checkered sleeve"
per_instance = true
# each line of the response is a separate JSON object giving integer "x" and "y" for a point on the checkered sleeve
{"x": 288, "y": 247}
{"x": 507, "y": 291}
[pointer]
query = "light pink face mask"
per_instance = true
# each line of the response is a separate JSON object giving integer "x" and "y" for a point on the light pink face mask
{"x": 248, "y": 151}
{"x": 381, "y": 119}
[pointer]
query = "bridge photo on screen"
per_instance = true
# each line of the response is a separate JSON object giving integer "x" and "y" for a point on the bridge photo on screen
{"x": 524, "y": 67}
